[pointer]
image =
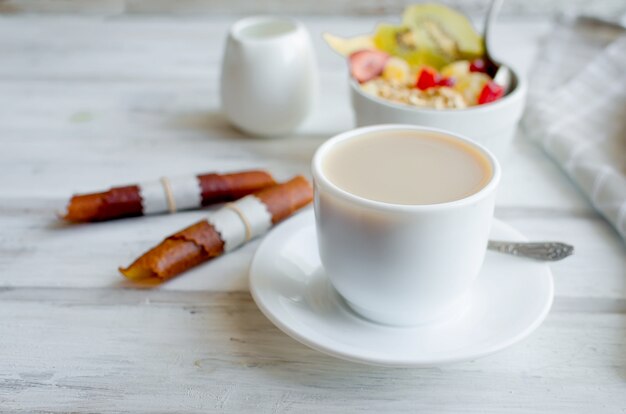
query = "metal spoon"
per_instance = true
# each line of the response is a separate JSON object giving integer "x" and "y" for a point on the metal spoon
{"x": 502, "y": 74}
{"x": 547, "y": 251}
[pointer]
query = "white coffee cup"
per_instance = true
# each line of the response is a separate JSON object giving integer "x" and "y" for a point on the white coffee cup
{"x": 269, "y": 80}
{"x": 402, "y": 264}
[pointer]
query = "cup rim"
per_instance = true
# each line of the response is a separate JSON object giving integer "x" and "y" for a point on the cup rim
{"x": 327, "y": 185}
{"x": 239, "y": 25}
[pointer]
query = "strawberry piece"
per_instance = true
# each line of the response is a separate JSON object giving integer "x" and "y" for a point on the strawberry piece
{"x": 427, "y": 78}
{"x": 490, "y": 92}
{"x": 367, "y": 64}
{"x": 449, "y": 82}
{"x": 478, "y": 65}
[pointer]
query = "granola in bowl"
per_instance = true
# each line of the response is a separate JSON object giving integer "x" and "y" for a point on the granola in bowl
{"x": 438, "y": 98}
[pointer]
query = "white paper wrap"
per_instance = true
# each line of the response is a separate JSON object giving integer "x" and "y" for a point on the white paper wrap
{"x": 185, "y": 192}
{"x": 234, "y": 229}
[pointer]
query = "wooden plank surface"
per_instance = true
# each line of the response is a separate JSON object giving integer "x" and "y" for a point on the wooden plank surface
{"x": 136, "y": 351}
{"x": 91, "y": 102}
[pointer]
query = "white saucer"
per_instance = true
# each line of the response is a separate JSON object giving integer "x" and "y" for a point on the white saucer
{"x": 511, "y": 298}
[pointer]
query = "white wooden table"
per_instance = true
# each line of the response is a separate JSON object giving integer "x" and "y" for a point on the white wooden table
{"x": 90, "y": 102}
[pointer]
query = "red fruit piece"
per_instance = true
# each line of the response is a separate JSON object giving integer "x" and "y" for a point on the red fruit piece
{"x": 365, "y": 65}
{"x": 478, "y": 65}
{"x": 490, "y": 92}
{"x": 427, "y": 78}
{"x": 449, "y": 82}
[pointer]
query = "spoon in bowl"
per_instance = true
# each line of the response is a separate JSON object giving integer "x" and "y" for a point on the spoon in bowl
{"x": 502, "y": 74}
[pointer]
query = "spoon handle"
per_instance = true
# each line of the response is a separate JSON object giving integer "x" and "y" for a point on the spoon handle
{"x": 549, "y": 251}
{"x": 492, "y": 13}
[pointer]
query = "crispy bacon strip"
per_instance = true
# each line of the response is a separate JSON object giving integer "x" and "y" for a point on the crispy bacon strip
{"x": 120, "y": 202}
{"x": 201, "y": 242}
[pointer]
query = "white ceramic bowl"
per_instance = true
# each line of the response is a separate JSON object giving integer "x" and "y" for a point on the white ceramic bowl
{"x": 492, "y": 125}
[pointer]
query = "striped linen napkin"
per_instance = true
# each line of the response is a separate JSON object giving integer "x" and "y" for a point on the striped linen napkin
{"x": 577, "y": 111}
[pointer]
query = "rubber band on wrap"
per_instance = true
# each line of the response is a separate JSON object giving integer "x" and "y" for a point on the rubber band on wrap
{"x": 170, "y": 194}
{"x": 167, "y": 188}
{"x": 241, "y": 221}
{"x": 243, "y": 218}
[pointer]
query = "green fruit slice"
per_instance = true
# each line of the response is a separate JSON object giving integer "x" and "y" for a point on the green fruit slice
{"x": 345, "y": 46}
{"x": 446, "y": 32}
{"x": 400, "y": 41}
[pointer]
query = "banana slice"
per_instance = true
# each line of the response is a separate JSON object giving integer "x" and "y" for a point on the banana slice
{"x": 456, "y": 69}
{"x": 397, "y": 71}
{"x": 471, "y": 86}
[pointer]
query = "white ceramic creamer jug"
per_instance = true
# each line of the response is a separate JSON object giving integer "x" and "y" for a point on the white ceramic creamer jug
{"x": 269, "y": 78}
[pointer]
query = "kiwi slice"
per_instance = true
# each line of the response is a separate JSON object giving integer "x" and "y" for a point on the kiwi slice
{"x": 446, "y": 32}
{"x": 401, "y": 41}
